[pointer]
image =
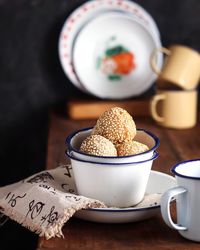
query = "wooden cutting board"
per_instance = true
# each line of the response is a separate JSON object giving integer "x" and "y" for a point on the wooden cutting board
{"x": 92, "y": 109}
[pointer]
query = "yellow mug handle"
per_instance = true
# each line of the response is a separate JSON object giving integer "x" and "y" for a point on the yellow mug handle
{"x": 153, "y": 59}
{"x": 153, "y": 108}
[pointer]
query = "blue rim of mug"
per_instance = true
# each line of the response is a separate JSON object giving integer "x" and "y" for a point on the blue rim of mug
{"x": 173, "y": 169}
{"x": 155, "y": 155}
{"x": 70, "y": 148}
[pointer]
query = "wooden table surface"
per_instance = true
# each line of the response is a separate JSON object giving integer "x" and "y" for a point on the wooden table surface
{"x": 176, "y": 145}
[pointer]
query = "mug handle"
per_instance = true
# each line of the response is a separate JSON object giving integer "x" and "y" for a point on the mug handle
{"x": 153, "y": 59}
{"x": 154, "y": 102}
{"x": 165, "y": 206}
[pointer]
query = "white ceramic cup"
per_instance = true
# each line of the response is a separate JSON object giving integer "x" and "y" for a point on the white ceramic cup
{"x": 115, "y": 184}
{"x": 187, "y": 200}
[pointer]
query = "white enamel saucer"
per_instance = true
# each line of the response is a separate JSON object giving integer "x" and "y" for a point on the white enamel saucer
{"x": 111, "y": 56}
{"x": 158, "y": 183}
{"x": 86, "y": 12}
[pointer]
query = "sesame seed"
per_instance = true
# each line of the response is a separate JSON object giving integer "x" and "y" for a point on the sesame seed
{"x": 115, "y": 124}
{"x": 98, "y": 145}
{"x": 130, "y": 148}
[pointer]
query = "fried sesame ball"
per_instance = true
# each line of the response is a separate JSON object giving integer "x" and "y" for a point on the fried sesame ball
{"x": 131, "y": 148}
{"x": 98, "y": 145}
{"x": 115, "y": 124}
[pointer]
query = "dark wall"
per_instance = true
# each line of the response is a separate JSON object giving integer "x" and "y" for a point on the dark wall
{"x": 31, "y": 78}
{"x": 32, "y": 81}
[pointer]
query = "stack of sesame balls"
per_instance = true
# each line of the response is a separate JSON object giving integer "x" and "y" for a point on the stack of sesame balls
{"x": 113, "y": 135}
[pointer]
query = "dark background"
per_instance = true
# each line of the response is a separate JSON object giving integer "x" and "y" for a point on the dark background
{"x": 32, "y": 81}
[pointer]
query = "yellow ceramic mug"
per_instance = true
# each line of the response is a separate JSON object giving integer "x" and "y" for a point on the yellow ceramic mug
{"x": 181, "y": 67}
{"x": 177, "y": 109}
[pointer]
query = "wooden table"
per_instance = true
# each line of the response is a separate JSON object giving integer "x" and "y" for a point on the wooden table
{"x": 176, "y": 145}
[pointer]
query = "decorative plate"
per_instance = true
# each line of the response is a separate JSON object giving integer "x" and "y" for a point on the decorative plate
{"x": 86, "y": 12}
{"x": 111, "y": 56}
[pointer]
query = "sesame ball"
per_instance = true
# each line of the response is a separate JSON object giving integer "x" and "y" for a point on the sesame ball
{"x": 131, "y": 148}
{"x": 98, "y": 145}
{"x": 115, "y": 124}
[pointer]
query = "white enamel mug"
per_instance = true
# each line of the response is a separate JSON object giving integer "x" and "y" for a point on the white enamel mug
{"x": 115, "y": 184}
{"x": 187, "y": 200}
{"x": 74, "y": 140}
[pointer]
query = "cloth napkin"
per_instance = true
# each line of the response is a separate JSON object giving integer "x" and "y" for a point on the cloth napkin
{"x": 44, "y": 202}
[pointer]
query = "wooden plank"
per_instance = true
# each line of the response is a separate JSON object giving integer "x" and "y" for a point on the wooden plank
{"x": 90, "y": 109}
{"x": 150, "y": 234}
{"x": 185, "y": 143}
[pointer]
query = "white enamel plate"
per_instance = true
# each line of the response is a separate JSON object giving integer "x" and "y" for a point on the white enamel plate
{"x": 111, "y": 55}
